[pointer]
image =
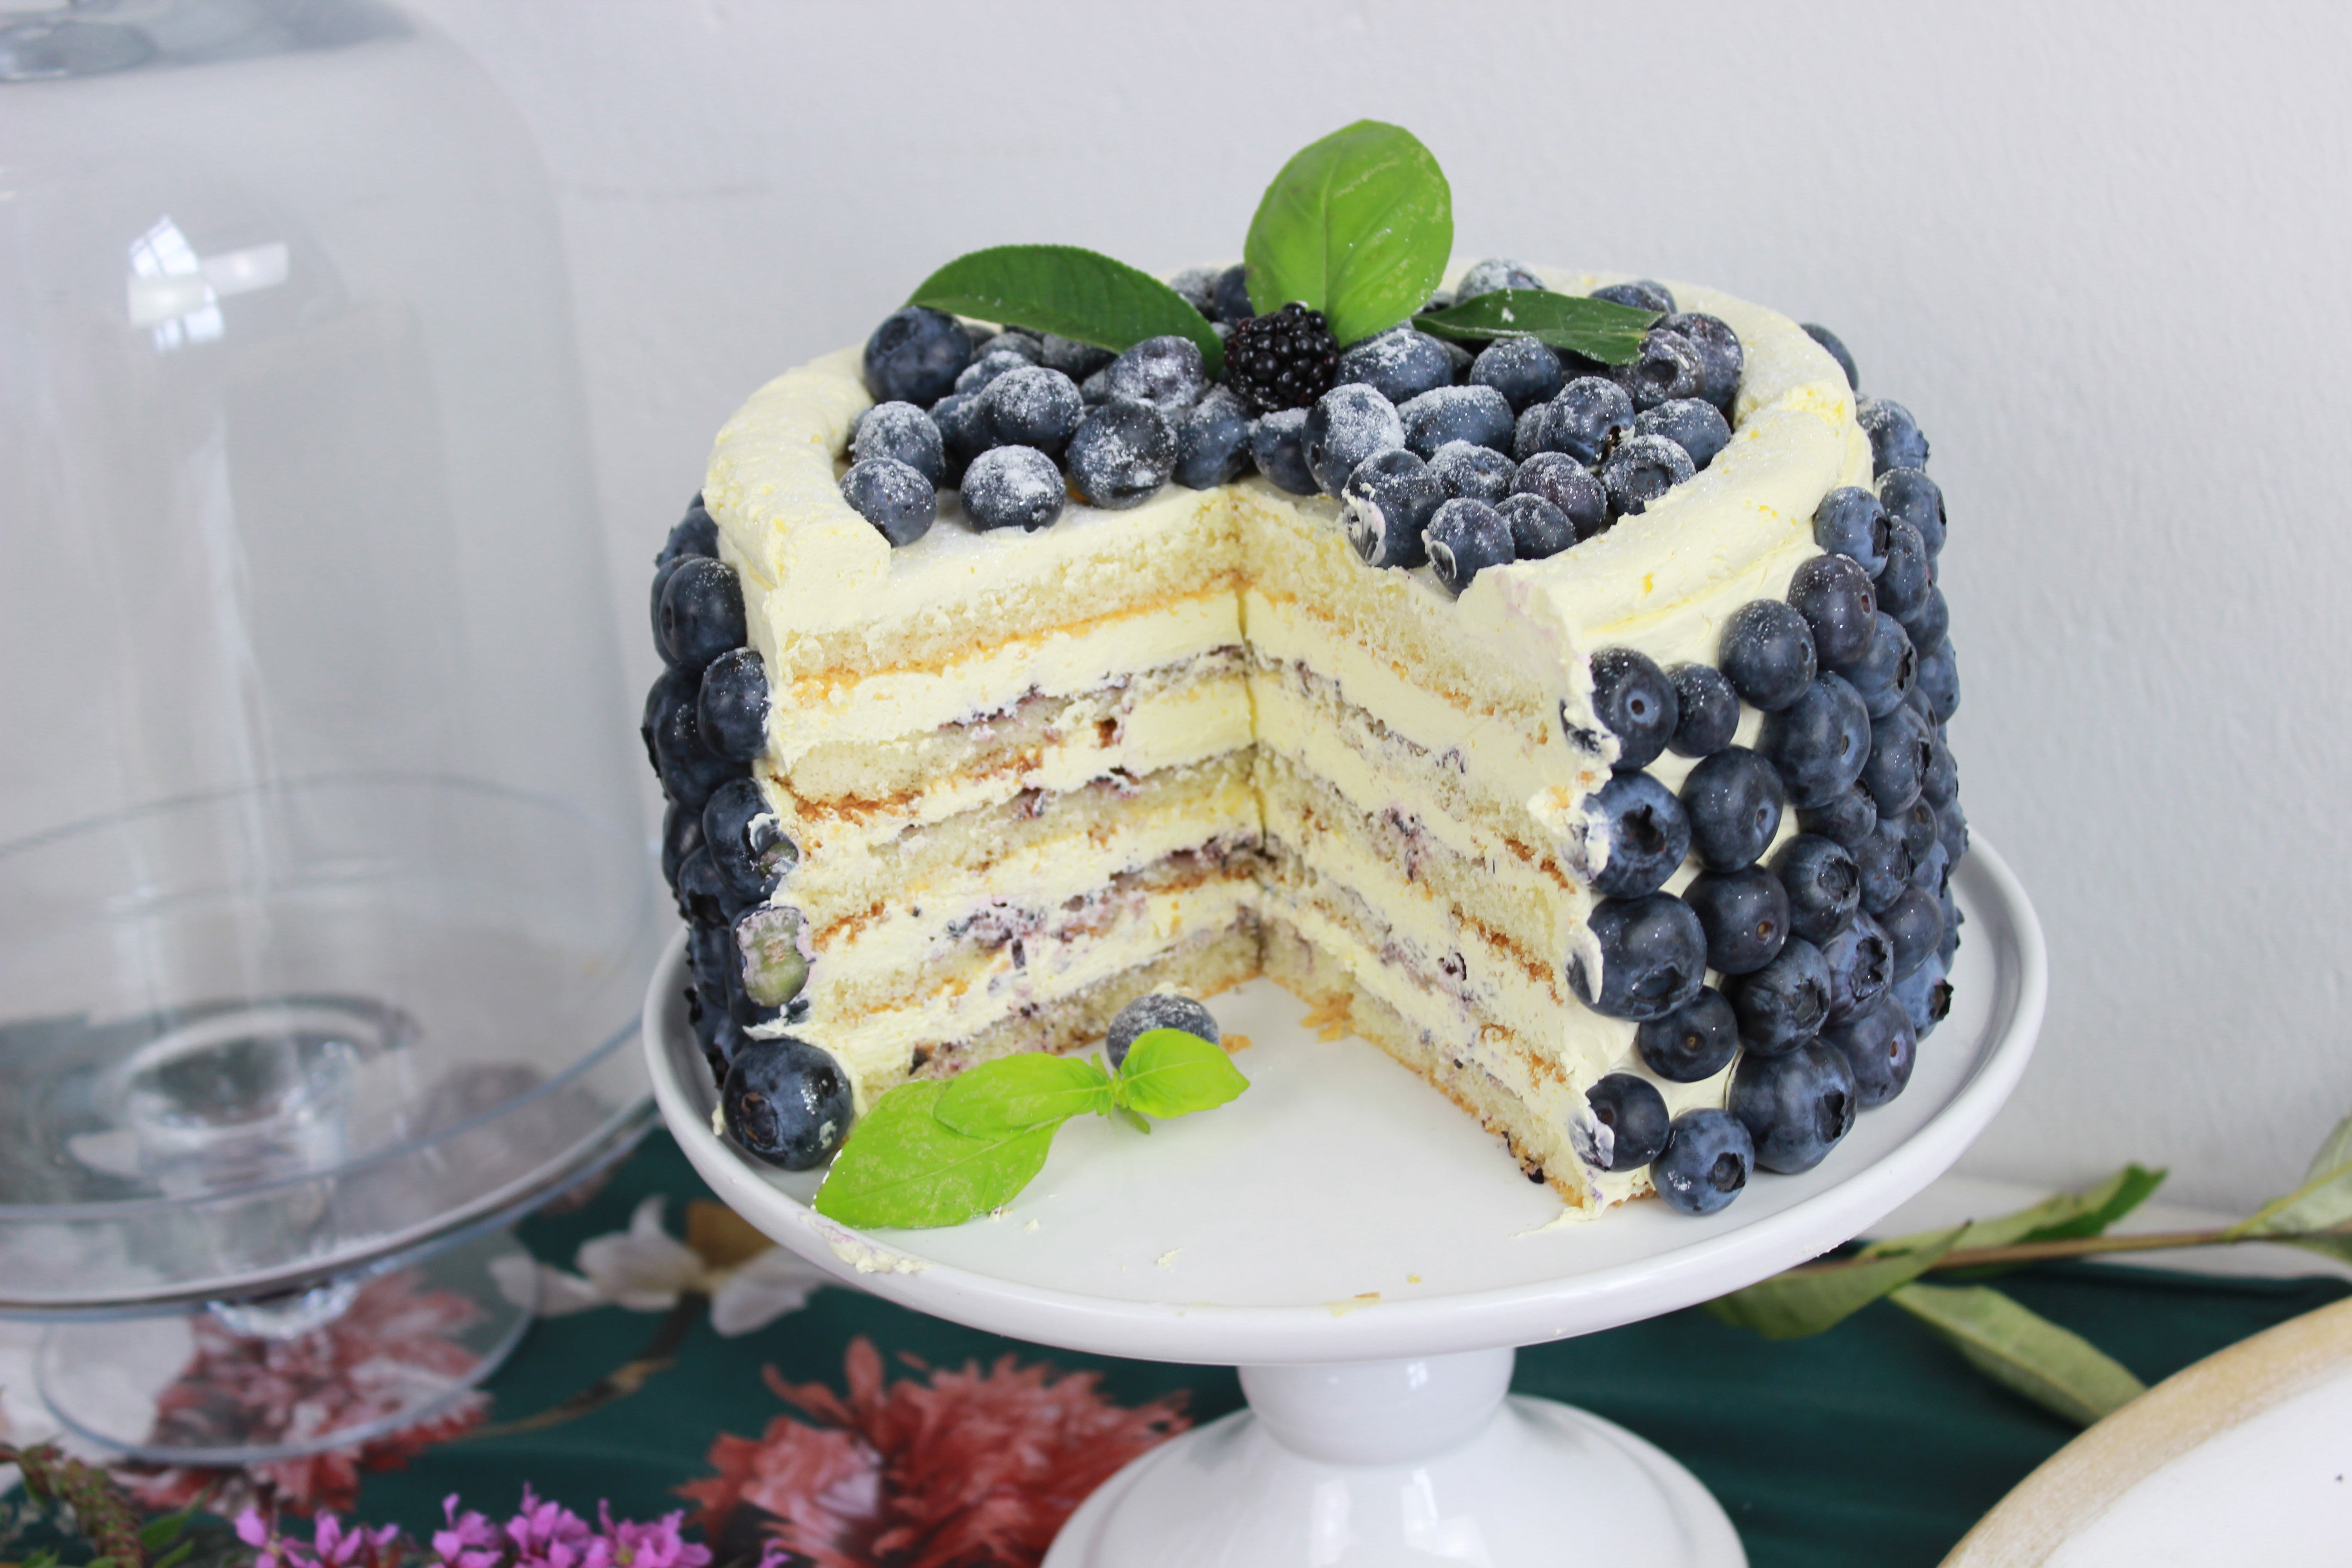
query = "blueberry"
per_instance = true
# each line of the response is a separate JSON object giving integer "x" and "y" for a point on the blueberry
{"x": 1910, "y": 572}
{"x": 1745, "y": 914}
{"x": 1848, "y": 819}
{"x": 1834, "y": 595}
{"x": 1629, "y": 1125}
{"x": 1584, "y": 416}
{"x": 1539, "y": 529}
{"x": 1921, "y": 832}
{"x": 1462, "y": 360}
{"x": 1952, "y": 832}
{"x": 681, "y": 837}
{"x": 1013, "y": 340}
{"x": 1641, "y": 470}
{"x": 977, "y": 375}
{"x": 1158, "y": 1010}
{"x": 1229, "y": 298}
{"x": 787, "y": 1103}
{"x": 696, "y": 533}
{"x": 1785, "y": 1003}
{"x": 1885, "y": 864}
{"x": 1568, "y": 485}
{"x": 1851, "y": 523}
{"x": 689, "y": 769}
{"x": 1478, "y": 415}
{"x": 1913, "y": 922}
{"x": 1400, "y": 365}
{"x": 1894, "y": 439}
{"x": 1708, "y": 712}
{"x": 1278, "y": 448}
{"x": 915, "y": 356}
{"x": 1013, "y": 487}
{"x": 1531, "y": 432}
{"x": 1692, "y": 1043}
{"x": 1666, "y": 367}
{"x": 1212, "y": 439}
{"x": 1525, "y": 372}
{"x": 747, "y": 844}
{"x": 1883, "y": 676}
{"x": 1073, "y": 359}
{"x": 1881, "y": 1047}
{"x": 1647, "y": 835}
{"x": 731, "y": 708}
{"x": 1733, "y": 799}
{"x": 893, "y": 495}
{"x": 1928, "y": 624}
{"x": 1387, "y": 505}
{"x": 1480, "y": 473}
{"x": 1121, "y": 454}
{"x": 1860, "y": 962}
{"x": 1032, "y": 408}
{"x": 1767, "y": 654}
{"x": 978, "y": 333}
{"x": 1697, "y": 427}
{"x": 1348, "y": 425}
{"x": 1899, "y": 757}
{"x": 963, "y": 433}
{"x": 1705, "y": 1163}
{"x": 1167, "y": 373}
{"x": 662, "y": 574}
{"x": 1819, "y": 742}
{"x": 1932, "y": 867}
{"x": 701, "y": 612}
{"x": 1721, "y": 359}
{"x": 903, "y": 431}
{"x": 1824, "y": 885}
{"x": 1199, "y": 287}
{"x": 1796, "y": 1106}
{"x": 1464, "y": 538}
{"x": 710, "y": 953}
{"x": 1634, "y": 702}
{"x": 705, "y": 896}
{"x": 1642, "y": 294}
{"x": 1925, "y": 995}
{"x": 1495, "y": 272}
{"x": 1910, "y": 495}
{"x": 1829, "y": 340}
{"x": 772, "y": 956}
{"x": 1652, "y": 958}
{"x": 1940, "y": 785}
{"x": 1939, "y": 679}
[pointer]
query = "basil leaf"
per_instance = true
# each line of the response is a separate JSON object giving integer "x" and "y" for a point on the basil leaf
{"x": 1358, "y": 226}
{"x": 1800, "y": 1303}
{"x": 1071, "y": 292}
{"x": 904, "y": 1168}
{"x": 1597, "y": 329}
{"x": 1016, "y": 1094}
{"x": 2026, "y": 1354}
{"x": 1168, "y": 1072}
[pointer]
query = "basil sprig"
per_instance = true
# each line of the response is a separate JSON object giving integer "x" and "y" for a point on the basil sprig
{"x": 1358, "y": 226}
{"x": 1597, "y": 329}
{"x": 935, "y": 1154}
{"x": 1071, "y": 292}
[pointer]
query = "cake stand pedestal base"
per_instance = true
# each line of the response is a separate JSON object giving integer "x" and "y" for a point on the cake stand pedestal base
{"x": 1390, "y": 1463}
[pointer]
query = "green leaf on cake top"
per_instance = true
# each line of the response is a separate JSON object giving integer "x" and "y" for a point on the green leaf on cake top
{"x": 1597, "y": 329}
{"x": 934, "y": 1153}
{"x": 1071, "y": 292}
{"x": 1358, "y": 226}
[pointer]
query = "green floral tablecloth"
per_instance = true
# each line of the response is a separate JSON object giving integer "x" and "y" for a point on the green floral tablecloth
{"x": 1871, "y": 1443}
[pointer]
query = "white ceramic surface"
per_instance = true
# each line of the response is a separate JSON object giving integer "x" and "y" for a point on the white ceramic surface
{"x": 1342, "y": 1211}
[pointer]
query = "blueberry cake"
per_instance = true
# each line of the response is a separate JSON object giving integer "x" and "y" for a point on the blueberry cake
{"x": 1574, "y": 732}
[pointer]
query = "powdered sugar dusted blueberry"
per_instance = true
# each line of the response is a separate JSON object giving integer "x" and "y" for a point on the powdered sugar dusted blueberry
{"x": 1539, "y": 529}
{"x": 1585, "y": 414}
{"x": 988, "y": 368}
{"x": 895, "y": 496}
{"x": 915, "y": 356}
{"x": 1348, "y": 425}
{"x": 1642, "y": 294}
{"x": 1524, "y": 371}
{"x": 903, "y": 431}
{"x": 1479, "y": 415}
{"x": 1387, "y": 504}
{"x": 1167, "y": 373}
{"x": 1495, "y": 272}
{"x": 1850, "y": 521}
{"x": 1909, "y": 495}
{"x": 1073, "y": 359}
{"x": 1121, "y": 453}
{"x": 1837, "y": 351}
{"x": 1695, "y": 426}
{"x": 1721, "y": 358}
{"x": 1667, "y": 367}
{"x": 1401, "y": 363}
{"x": 1641, "y": 470}
{"x": 1894, "y": 439}
{"x": 1279, "y": 446}
{"x": 1212, "y": 440}
{"x": 1013, "y": 487}
{"x": 1481, "y": 473}
{"x": 1464, "y": 538}
{"x": 1032, "y": 408}
{"x": 1568, "y": 485}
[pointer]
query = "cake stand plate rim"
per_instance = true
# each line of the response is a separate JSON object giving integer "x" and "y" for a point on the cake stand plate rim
{"x": 1664, "y": 1280}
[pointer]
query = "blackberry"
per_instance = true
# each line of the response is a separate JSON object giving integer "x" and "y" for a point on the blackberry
{"x": 1281, "y": 361}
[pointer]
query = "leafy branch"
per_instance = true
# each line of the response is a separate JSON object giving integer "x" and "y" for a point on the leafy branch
{"x": 2023, "y": 1352}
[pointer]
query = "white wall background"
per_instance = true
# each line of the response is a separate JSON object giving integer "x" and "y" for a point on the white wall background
{"x": 2097, "y": 249}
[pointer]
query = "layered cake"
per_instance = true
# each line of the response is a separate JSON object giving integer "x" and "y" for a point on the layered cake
{"x": 1568, "y": 741}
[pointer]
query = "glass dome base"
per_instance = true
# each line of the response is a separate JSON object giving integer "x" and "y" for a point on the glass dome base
{"x": 335, "y": 1367}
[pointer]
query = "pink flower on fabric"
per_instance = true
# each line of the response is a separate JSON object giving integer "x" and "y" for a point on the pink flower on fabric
{"x": 658, "y": 1544}
{"x": 470, "y": 1541}
{"x": 549, "y": 1535}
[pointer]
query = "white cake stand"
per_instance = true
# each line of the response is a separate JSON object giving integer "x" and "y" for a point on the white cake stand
{"x": 1368, "y": 1257}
